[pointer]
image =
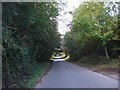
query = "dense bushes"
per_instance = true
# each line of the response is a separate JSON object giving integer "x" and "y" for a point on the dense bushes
{"x": 94, "y": 31}
{"x": 29, "y": 38}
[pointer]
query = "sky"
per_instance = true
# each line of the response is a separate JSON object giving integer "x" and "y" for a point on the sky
{"x": 64, "y": 19}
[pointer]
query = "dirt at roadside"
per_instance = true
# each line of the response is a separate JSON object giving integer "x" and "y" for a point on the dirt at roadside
{"x": 110, "y": 72}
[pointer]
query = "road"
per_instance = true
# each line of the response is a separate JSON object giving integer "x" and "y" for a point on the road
{"x": 67, "y": 75}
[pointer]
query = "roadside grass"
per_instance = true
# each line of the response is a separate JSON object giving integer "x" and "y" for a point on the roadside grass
{"x": 97, "y": 61}
{"x": 105, "y": 65}
{"x": 100, "y": 65}
{"x": 39, "y": 71}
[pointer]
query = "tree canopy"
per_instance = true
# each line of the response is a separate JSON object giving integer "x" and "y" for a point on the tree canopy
{"x": 29, "y": 38}
{"x": 94, "y": 30}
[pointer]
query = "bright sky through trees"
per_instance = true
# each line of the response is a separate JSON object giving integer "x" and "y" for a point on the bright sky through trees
{"x": 65, "y": 16}
{"x": 64, "y": 19}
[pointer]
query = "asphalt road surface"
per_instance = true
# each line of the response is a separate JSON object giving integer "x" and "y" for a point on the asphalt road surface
{"x": 67, "y": 75}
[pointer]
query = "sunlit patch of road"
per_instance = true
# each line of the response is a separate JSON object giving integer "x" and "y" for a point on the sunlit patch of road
{"x": 57, "y": 60}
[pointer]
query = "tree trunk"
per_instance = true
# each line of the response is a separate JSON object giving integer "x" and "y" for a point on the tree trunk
{"x": 106, "y": 53}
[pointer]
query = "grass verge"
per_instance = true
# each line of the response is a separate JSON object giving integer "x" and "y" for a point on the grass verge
{"x": 39, "y": 71}
{"x": 105, "y": 65}
{"x": 101, "y": 65}
{"x": 97, "y": 61}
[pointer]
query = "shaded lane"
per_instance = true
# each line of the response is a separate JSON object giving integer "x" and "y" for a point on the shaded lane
{"x": 67, "y": 75}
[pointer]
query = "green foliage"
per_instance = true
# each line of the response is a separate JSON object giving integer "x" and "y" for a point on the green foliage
{"x": 29, "y": 38}
{"x": 93, "y": 31}
{"x": 98, "y": 61}
{"x": 39, "y": 71}
{"x": 93, "y": 59}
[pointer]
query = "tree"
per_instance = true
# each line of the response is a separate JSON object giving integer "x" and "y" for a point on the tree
{"x": 29, "y": 38}
{"x": 93, "y": 27}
